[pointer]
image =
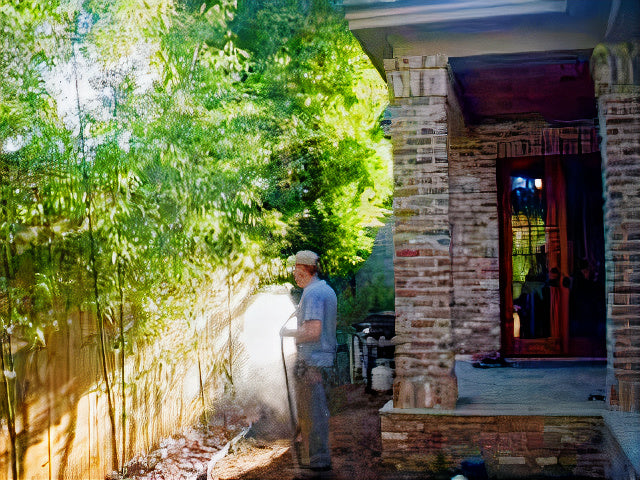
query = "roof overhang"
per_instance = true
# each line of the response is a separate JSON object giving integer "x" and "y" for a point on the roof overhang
{"x": 507, "y": 57}
{"x": 461, "y": 28}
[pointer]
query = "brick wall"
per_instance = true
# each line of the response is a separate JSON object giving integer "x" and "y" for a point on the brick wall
{"x": 474, "y": 218}
{"x": 446, "y": 230}
{"x": 473, "y": 214}
{"x": 618, "y": 94}
{"x": 510, "y": 446}
{"x": 621, "y": 158}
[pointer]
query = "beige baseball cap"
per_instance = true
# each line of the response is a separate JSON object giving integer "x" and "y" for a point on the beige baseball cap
{"x": 306, "y": 257}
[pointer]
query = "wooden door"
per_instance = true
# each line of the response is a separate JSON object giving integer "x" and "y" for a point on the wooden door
{"x": 538, "y": 265}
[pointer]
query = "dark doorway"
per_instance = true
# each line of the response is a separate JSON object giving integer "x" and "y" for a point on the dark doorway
{"x": 552, "y": 256}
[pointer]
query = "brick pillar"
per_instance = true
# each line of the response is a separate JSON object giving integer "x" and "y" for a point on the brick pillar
{"x": 422, "y": 260}
{"x": 615, "y": 70}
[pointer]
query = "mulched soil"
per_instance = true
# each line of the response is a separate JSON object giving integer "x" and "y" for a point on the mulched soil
{"x": 185, "y": 455}
{"x": 182, "y": 456}
{"x": 355, "y": 444}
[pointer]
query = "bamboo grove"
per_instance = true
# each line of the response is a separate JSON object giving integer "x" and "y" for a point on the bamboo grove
{"x": 147, "y": 146}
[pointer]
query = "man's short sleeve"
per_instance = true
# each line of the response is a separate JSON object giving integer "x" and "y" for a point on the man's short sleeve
{"x": 314, "y": 307}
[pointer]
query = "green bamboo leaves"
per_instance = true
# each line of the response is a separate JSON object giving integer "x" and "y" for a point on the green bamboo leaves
{"x": 150, "y": 149}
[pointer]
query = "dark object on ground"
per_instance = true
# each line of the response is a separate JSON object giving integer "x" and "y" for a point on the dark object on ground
{"x": 375, "y": 326}
{"x": 378, "y": 324}
{"x": 490, "y": 362}
{"x": 597, "y": 397}
{"x": 474, "y": 469}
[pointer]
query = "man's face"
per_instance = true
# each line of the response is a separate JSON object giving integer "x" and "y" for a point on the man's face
{"x": 301, "y": 275}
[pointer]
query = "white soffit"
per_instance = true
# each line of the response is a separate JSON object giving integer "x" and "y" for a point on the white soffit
{"x": 394, "y": 13}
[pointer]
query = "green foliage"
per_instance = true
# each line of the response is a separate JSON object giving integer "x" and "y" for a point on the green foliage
{"x": 222, "y": 137}
{"x": 329, "y": 169}
{"x": 204, "y": 137}
{"x": 372, "y": 297}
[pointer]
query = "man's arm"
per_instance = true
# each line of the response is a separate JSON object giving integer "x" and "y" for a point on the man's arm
{"x": 310, "y": 331}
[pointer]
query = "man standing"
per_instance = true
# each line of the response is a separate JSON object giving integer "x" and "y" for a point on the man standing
{"x": 315, "y": 338}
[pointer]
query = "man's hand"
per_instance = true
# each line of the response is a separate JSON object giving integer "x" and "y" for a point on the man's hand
{"x": 287, "y": 332}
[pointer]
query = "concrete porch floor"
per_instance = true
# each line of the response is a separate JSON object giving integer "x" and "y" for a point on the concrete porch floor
{"x": 531, "y": 387}
{"x": 548, "y": 387}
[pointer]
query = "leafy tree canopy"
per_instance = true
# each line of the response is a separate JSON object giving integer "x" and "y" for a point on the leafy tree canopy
{"x": 149, "y": 144}
{"x": 150, "y": 150}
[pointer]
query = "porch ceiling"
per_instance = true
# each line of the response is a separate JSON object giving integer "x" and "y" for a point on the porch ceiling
{"x": 556, "y": 86}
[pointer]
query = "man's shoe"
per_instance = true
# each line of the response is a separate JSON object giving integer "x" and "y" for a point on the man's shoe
{"x": 325, "y": 468}
{"x": 311, "y": 475}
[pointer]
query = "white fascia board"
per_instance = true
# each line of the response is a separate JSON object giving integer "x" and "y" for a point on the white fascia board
{"x": 430, "y": 13}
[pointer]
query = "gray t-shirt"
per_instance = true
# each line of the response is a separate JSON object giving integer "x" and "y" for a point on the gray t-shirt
{"x": 319, "y": 302}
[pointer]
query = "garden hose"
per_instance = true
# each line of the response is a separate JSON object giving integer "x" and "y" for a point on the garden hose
{"x": 295, "y": 428}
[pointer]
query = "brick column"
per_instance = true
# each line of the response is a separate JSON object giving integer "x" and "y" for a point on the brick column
{"x": 615, "y": 69}
{"x": 422, "y": 260}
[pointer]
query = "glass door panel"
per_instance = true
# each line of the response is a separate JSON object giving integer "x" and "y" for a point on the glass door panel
{"x": 532, "y": 212}
{"x": 529, "y": 280}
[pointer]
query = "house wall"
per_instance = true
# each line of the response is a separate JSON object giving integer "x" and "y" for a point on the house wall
{"x": 473, "y": 157}
{"x": 446, "y": 232}
{"x": 447, "y": 280}
{"x": 475, "y": 306}
{"x": 616, "y": 72}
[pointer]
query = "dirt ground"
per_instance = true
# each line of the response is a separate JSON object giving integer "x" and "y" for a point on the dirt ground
{"x": 355, "y": 444}
{"x": 266, "y": 455}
